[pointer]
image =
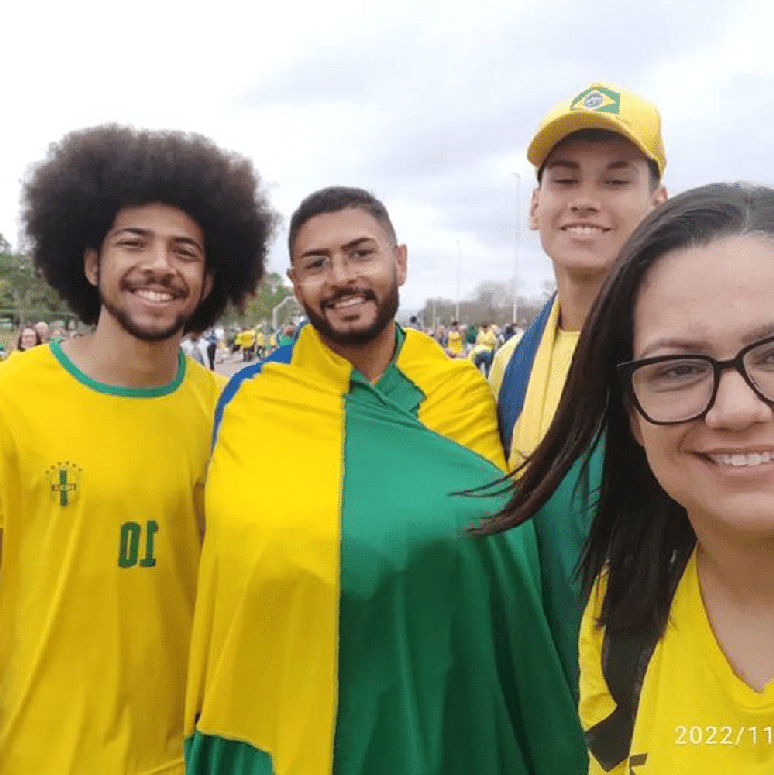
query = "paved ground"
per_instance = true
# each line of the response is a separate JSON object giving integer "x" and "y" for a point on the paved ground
{"x": 231, "y": 364}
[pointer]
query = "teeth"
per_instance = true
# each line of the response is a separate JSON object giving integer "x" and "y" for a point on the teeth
{"x": 349, "y": 301}
{"x": 583, "y": 231}
{"x": 154, "y": 295}
{"x": 738, "y": 460}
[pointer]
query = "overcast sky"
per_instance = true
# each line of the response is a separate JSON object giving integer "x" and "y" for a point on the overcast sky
{"x": 429, "y": 104}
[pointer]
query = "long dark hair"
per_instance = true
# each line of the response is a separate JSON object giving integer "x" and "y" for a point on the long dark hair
{"x": 38, "y": 340}
{"x": 640, "y": 536}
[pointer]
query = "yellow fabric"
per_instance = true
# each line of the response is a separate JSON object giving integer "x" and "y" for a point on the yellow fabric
{"x": 454, "y": 342}
{"x": 300, "y": 541}
{"x": 695, "y": 714}
{"x": 546, "y": 381}
{"x": 500, "y": 363}
{"x": 475, "y": 425}
{"x": 13, "y": 354}
{"x": 561, "y": 358}
{"x": 316, "y": 379}
{"x": 487, "y": 339}
{"x": 93, "y": 654}
{"x": 245, "y": 338}
{"x": 602, "y": 105}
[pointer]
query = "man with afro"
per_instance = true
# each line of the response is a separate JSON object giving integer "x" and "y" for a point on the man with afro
{"x": 104, "y": 441}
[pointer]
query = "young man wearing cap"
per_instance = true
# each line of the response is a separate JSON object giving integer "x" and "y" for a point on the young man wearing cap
{"x": 599, "y": 159}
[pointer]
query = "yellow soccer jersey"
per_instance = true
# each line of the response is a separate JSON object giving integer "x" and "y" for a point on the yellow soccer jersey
{"x": 100, "y": 510}
{"x": 454, "y": 342}
{"x": 695, "y": 716}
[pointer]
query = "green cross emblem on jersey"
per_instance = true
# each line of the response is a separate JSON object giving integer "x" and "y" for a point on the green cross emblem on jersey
{"x": 63, "y": 481}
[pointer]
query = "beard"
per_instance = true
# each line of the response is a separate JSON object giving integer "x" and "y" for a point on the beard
{"x": 144, "y": 332}
{"x": 386, "y": 310}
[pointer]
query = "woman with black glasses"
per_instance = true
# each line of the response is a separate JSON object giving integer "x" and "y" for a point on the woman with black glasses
{"x": 675, "y": 368}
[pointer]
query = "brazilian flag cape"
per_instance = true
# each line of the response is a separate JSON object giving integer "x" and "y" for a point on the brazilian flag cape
{"x": 345, "y": 622}
{"x": 562, "y": 525}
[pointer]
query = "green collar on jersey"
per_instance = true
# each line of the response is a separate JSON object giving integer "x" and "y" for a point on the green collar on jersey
{"x": 120, "y": 390}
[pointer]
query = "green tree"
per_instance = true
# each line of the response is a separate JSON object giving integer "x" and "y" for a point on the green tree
{"x": 23, "y": 293}
{"x": 271, "y": 292}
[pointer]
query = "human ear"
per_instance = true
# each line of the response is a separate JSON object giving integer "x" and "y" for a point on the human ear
{"x": 91, "y": 265}
{"x": 209, "y": 281}
{"x": 534, "y": 203}
{"x": 660, "y": 195}
{"x": 401, "y": 259}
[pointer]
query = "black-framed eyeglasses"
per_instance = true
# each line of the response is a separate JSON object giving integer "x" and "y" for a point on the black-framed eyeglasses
{"x": 671, "y": 389}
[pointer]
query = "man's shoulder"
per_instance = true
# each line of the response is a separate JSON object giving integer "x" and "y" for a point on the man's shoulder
{"x": 421, "y": 357}
{"x": 200, "y": 379}
{"x": 21, "y": 367}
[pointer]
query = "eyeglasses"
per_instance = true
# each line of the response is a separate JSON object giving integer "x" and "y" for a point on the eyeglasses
{"x": 310, "y": 270}
{"x": 671, "y": 389}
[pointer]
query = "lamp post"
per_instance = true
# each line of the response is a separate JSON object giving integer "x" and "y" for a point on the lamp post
{"x": 459, "y": 269}
{"x": 515, "y": 310}
{"x": 276, "y": 309}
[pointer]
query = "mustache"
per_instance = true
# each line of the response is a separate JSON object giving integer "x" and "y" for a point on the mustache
{"x": 366, "y": 293}
{"x": 151, "y": 281}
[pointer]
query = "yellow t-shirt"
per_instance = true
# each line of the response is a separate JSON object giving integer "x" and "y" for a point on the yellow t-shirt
{"x": 100, "y": 511}
{"x": 454, "y": 342}
{"x": 561, "y": 358}
{"x": 487, "y": 339}
{"x": 247, "y": 338}
{"x": 695, "y": 716}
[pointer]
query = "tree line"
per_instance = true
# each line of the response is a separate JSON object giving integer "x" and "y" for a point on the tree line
{"x": 490, "y": 302}
{"x": 26, "y": 297}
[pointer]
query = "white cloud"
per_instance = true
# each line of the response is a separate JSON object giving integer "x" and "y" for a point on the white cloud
{"x": 429, "y": 104}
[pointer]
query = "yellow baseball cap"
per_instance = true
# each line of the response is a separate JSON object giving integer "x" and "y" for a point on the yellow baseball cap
{"x": 602, "y": 106}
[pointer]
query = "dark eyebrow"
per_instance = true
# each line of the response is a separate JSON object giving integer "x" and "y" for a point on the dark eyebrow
{"x": 349, "y": 246}
{"x": 688, "y": 346}
{"x": 695, "y": 347}
{"x": 622, "y": 165}
{"x": 762, "y": 332}
{"x": 148, "y": 233}
{"x": 570, "y": 165}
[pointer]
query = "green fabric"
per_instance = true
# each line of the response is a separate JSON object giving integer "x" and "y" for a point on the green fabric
{"x": 446, "y": 631}
{"x": 562, "y": 527}
{"x": 120, "y": 390}
{"x": 215, "y": 754}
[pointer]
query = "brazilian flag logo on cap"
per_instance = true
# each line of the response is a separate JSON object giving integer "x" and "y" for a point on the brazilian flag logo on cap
{"x": 598, "y": 99}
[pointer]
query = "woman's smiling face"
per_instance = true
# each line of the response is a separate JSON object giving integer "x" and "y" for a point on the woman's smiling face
{"x": 713, "y": 300}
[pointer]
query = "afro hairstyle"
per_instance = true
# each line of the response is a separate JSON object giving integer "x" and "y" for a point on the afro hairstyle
{"x": 71, "y": 199}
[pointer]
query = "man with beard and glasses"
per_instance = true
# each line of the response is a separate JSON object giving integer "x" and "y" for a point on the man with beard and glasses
{"x": 104, "y": 441}
{"x": 345, "y": 623}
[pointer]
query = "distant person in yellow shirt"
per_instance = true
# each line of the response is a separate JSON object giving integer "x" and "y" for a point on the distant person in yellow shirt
{"x": 246, "y": 340}
{"x": 104, "y": 441}
{"x": 484, "y": 349}
{"x": 454, "y": 341}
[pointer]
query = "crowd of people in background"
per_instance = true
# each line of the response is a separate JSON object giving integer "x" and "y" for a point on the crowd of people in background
{"x": 220, "y": 344}
{"x": 478, "y": 343}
